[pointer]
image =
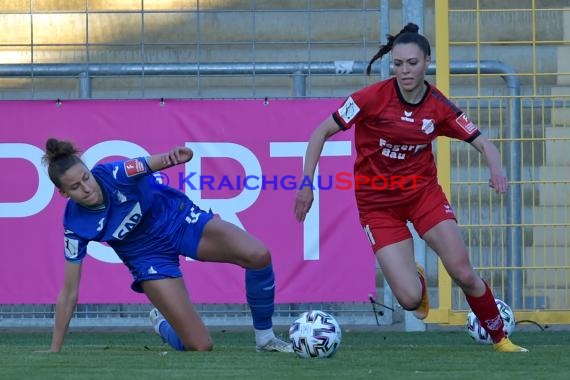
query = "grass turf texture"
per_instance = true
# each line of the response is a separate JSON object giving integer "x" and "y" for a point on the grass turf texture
{"x": 363, "y": 354}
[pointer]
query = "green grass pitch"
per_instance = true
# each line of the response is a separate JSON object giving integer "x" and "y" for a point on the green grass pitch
{"x": 363, "y": 354}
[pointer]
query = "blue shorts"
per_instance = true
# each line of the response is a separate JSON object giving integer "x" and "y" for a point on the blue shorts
{"x": 162, "y": 261}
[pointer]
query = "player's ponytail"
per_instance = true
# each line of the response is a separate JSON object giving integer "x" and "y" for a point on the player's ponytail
{"x": 409, "y": 34}
{"x": 59, "y": 156}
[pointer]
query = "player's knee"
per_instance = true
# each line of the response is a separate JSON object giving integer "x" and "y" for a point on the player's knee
{"x": 204, "y": 344}
{"x": 259, "y": 258}
{"x": 410, "y": 300}
{"x": 411, "y": 305}
{"x": 205, "y": 347}
{"x": 466, "y": 277}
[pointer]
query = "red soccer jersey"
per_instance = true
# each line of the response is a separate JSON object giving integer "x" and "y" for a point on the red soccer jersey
{"x": 393, "y": 140}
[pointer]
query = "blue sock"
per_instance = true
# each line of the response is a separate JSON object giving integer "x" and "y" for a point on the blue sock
{"x": 169, "y": 335}
{"x": 260, "y": 293}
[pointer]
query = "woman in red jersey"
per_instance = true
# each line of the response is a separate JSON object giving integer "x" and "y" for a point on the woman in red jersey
{"x": 395, "y": 122}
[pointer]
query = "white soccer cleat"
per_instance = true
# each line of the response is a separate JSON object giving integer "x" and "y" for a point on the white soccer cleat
{"x": 275, "y": 345}
{"x": 156, "y": 318}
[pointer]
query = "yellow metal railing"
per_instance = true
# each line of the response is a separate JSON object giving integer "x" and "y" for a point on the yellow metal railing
{"x": 443, "y": 152}
{"x": 544, "y": 142}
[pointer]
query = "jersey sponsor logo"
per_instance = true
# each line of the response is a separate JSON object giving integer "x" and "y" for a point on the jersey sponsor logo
{"x": 134, "y": 167}
{"x": 428, "y": 126}
{"x": 398, "y": 151}
{"x": 71, "y": 248}
{"x": 464, "y": 122}
{"x": 407, "y": 117}
{"x": 349, "y": 110}
{"x": 129, "y": 222}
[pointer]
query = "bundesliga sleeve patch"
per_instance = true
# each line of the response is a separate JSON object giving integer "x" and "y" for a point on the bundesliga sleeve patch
{"x": 349, "y": 110}
{"x": 134, "y": 167}
{"x": 71, "y": 248}
{"x": 464, "y": 122}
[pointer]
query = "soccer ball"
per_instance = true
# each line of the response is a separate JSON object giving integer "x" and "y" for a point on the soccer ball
{"x": 315, "y": 334}
{"x": 480, "y": 335}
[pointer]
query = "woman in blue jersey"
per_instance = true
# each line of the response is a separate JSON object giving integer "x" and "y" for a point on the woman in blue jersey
{"x": 149, "y": 226}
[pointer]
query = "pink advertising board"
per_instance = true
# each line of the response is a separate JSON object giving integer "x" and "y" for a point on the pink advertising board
{"x": 247, "y": 165}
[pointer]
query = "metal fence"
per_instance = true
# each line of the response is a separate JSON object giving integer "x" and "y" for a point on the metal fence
{"x": 200, "y": 33}
{"x": 311, "y": 48}
{"x": 519, "y": 242}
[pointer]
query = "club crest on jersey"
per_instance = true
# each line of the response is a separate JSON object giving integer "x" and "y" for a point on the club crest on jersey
{"x": 407, "y": 117}
{"x": 134, "y": 167}
{"x": 464, "y": 122}
{"x": 428, "y": 126}
{"x": 348, "y": 110}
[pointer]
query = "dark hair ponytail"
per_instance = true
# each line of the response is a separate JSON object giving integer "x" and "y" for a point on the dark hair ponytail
{"x": 409, "y": 34}
{"x": 59, "y": 156}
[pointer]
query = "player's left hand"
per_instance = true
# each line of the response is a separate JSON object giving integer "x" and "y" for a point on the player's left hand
{"x": 499, "y": 182}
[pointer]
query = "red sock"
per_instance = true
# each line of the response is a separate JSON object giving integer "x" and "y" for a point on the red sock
{"x": 485, "y": 309}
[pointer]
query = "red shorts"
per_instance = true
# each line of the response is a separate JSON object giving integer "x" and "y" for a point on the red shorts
{"x": 389, "y": 225}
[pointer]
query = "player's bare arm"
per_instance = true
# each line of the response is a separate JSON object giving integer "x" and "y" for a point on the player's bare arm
{"x": 323, "y": 132}
{"x": 177, "y": 155}
{"x": 497, "y": 180}
{"x": 66, "y": 302}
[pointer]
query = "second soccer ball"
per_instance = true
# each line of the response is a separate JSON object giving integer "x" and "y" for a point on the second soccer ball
{"x": 479, "y": 334}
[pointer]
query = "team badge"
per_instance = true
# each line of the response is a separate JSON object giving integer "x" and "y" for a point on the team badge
{"x": 428, "y": 126}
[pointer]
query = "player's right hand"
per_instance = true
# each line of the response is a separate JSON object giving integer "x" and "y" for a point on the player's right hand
{"x": 303, "y": 202}
{"x": 177, "y": 155}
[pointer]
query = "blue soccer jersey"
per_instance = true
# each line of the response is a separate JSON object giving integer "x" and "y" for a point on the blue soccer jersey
{"x": 143, "y": 222}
